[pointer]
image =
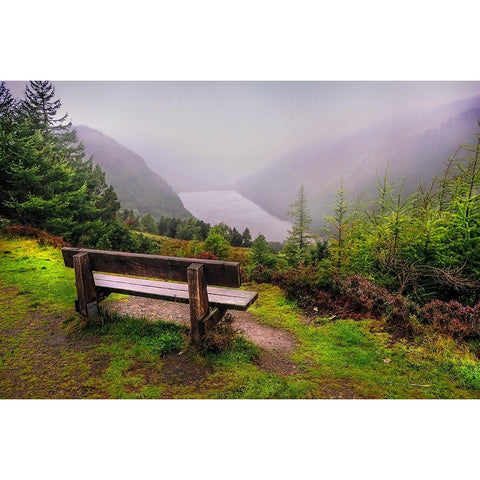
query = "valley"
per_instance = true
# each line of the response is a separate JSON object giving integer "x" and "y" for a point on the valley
{"x": 235, "y": 210}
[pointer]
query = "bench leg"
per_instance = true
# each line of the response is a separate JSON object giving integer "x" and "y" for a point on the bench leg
{"x": 198, "y": 299}
{"x": 215, "y": 315}
{"x": 86, "y": 291}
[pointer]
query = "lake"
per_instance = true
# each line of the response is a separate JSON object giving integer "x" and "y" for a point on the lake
{"x": 235, "y": 210}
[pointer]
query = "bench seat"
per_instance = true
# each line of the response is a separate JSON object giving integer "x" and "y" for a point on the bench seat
{"x": 218, "y": 297}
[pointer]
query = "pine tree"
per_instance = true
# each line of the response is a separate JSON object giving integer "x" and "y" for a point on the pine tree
{"x": 8, "y": 105}
{"x": 41, "y": 108}
{"x": 297, "y": 244}
{"x": 339, "y": 222}
{"x": 237, "y": 238}
{"x": 217, "y": 244}
{"x": 246, "y": 238}
{"x": 224, "y": 230}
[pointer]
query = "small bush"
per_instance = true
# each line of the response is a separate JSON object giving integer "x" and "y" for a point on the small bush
{"x": 302, "y": 284}
{"x": 468, "y": 376}
{"x": 454, "y": 319}
{"x": 361, "y": 296}
{"x": 205, "y": 256}
{"x": 221, "y": 337}
{"x": 400, "y": 319}
{"x": 262, "y": 274}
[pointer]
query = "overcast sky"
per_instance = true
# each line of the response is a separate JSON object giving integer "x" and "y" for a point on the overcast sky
{"x": 242, "y": 125}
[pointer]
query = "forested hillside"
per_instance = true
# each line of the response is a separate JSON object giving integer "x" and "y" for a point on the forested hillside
{"x": 136, "y": 185}
{"x": 47, "y": 181}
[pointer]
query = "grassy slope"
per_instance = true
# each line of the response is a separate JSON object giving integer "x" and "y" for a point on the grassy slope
{"x": 45, "y": 352}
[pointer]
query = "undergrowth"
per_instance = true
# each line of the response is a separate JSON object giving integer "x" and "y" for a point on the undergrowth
{"x": 45, "y": 351}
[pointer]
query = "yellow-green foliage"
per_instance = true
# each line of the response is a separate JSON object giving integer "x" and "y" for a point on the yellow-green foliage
{"x": 184, "y": 248}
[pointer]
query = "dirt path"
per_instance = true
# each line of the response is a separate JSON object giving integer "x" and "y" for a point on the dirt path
{"x": 275, "y": 343}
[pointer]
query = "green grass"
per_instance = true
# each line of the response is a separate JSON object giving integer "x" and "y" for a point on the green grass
{"x": 46, "y": 352}
{"x": 359, "y": 356}
{"x": 38, "y": 272}
{"x": 148, "y": 338}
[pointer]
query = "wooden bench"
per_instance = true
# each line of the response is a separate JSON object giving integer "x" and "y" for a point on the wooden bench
{"x": 93, "y": 284}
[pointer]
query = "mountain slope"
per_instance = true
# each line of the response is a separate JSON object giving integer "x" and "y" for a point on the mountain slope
{"x": 136, "y": 185}
{"x": 415, "y": 147}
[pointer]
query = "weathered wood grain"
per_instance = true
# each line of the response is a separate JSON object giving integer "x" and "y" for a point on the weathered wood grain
{"x": 177, "y": 292}
{"x": 216, "y": 272}
{"x": 215, "y": 315}
{"x": 198, "y": 300}
{"x": 85, "y": 284}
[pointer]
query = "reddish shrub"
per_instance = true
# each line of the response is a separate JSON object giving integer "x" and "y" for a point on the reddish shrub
{"x": 301, "y": 284}
{"x": 324, "y": 302}
{"x": 357, "y": 296}
{"x": 42, "y": 237}
{"x": 453, "y": 318}
{"x": 243, "y": 275}
{"x": 261, "y": 274}
{"x": 205, "y": 256}
{"x": 398, "y": 319}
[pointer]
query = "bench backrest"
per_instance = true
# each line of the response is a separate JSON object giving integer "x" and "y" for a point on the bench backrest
{"x": 217, "y": 272}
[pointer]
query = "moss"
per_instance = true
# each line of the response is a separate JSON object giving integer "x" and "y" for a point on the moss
{"x": 39, "y": 273}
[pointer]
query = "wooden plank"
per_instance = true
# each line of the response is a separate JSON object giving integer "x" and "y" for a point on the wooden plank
{"x": 226, "y": 274}
{"x": 156, "y": 283}
{"x": 85, "y": 284}
{"x": 178, "y": 292}
{"x": 198, "y": 300}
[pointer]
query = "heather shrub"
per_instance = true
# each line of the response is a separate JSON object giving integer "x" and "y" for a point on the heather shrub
{"x": 261, "y": 274}
{"x": 354, "y": 297}
{"x": 357, "y": 295}
{"x": 454, "y": 319}
{"x": 399, "y": 318}
{"x": 302, "y": 284}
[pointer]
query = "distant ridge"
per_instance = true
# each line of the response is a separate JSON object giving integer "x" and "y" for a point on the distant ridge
{"x": 137, "y": 186}
{"x": 416, "y": 147}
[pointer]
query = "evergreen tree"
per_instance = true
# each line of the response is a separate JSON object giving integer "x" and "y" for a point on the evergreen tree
{"x": 246, "y": 238}
{"x": 189, "y": 229}
{"x": 237, "y": 238}
{"x": 148, "y": 224}
{"x": 260, "y": 253}
{"x": 224, "y": 230}
{"x": 8, "y": 105}
{"x": 43, "y": 185}
{"x": 217, "y": 244}
{"x": 297, "y": 244}
{"x": 41, "y": 108}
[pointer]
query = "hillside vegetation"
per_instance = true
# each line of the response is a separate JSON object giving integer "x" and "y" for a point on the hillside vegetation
{"x": 48, "y": 183}
{"x": 384, "y": 305}
{"x": 45, "y": 352}
{"x": 137, "y": 186}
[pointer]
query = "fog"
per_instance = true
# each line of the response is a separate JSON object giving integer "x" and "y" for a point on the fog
{"x": 214, "y": 133}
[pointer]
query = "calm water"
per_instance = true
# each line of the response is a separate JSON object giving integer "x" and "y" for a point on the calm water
{"x": 236, "y": 211}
